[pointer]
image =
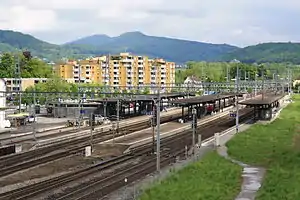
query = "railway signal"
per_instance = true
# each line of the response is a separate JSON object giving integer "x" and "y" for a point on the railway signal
{"x": 232, "y": 114}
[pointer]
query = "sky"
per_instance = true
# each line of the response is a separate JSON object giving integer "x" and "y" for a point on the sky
{"x": 236, "y": 22}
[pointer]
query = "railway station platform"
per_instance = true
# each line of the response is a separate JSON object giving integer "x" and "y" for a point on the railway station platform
{"x": 205, "y": 104}
{"x": 135, "y": 105}
{"x": 265, "y": 106}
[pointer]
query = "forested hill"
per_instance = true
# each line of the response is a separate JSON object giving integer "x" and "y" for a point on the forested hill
{"x": 267, "y": 52}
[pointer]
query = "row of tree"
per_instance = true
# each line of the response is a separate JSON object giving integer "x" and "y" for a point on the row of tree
{"x": 218, "y": 71}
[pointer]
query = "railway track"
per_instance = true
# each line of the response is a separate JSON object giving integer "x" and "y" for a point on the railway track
{"x": 42, "y": 135}
{"x": 103, "y": 185}
{"x": 13, "y": 163}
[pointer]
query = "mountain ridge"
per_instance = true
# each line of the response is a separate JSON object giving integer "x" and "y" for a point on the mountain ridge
{"x": 172, "y": 49}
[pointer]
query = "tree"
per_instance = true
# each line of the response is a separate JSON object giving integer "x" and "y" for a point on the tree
{"x": 35, "y": 68}
{"x": 50, "y": 90}
{"x": 7, "y": 66}
{"x": 146, "y": 90}
{"x": 30, "y": 68}
{"x": 217, "y": 71}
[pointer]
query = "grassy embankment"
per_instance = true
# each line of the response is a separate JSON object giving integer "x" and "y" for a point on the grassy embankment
{"x": 211, "y": 178}
{"x": 277, "y": 148}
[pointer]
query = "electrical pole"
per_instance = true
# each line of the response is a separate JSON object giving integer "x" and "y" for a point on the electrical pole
{"x": 79, "y": 98}
{"x": 91, "y": 130}
{"x": 263, "y": 84}
{"x": 255, "y": 80}
{"x": 158, "y": 132}
{"x": 227, "y": 72}
{"x": 288, "y": 78}
{"x": 194, "y": 126}
{"x": 289, "y": 81}
{"x": 18, "y": 68}
{"x": 34, "y": 116}
{"x": 153, "y": 124}
{"x": 118, "y": 114}
{"x": 237, "y": 100}
{"x": 276, "y": 81}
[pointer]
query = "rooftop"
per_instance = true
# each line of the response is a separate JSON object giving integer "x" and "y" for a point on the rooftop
{"x": 202, "y": 99}
{"x": 266, "y": 100}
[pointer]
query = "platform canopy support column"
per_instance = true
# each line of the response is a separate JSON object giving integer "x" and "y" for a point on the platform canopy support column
{"x": 140, "y": 107}
{"x": 135, "y": 107}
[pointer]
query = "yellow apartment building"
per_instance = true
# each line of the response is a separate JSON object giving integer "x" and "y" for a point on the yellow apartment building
{"x": 12, "y": 84}
{"x": 123, "y": 70}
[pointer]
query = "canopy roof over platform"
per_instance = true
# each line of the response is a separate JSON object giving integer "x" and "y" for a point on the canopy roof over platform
{"x": 146, "y": 97}
{"x": 202, "y": 99}
{"x": 266, "y": 100}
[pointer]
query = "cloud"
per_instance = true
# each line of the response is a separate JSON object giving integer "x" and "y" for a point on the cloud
{"x": 242, "y": 22}
{"x": 27, "y": 20}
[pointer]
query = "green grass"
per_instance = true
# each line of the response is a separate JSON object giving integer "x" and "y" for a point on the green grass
{"x": 277, "y": 148}
{"x": 212, "y": 178}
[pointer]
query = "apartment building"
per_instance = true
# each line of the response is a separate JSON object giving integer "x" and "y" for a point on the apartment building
{"x": 124, "y": 71}
{"x": 13, "y": 84}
